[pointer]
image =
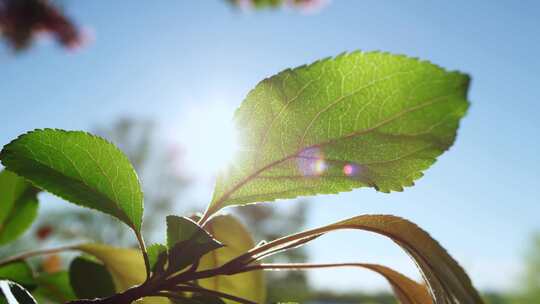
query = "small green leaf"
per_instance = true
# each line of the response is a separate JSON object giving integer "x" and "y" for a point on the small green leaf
{"x": 18, "y": 206}
{"x": 157, "y": 254}
{"x": 90, "y": 279}
{"x": 237, "y": 240}
{"x": 81, "y": 168}
{"x": 19, "y": 272}
{"x": 54, "y": 287}
{"x": 13, "y": 293}
{"x": 357, "y": 120}
{"x": 187, "y": 242}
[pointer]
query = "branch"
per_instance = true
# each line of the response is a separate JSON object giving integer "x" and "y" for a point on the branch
{"x": 209, "y": 292}
{"x": 29, "y": 254}
{"x": 300, "y": 266}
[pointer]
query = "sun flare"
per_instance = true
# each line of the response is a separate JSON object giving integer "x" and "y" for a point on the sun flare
{"x": 211, "y": 140}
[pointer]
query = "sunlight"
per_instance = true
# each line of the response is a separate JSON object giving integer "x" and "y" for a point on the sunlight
{"x": 209, "y": 138}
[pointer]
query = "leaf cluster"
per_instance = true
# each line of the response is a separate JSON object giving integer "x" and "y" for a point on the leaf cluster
{"x": 357, "y": 120}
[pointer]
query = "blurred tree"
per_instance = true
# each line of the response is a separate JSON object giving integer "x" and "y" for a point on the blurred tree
{"x": 21, "y": 21}
{"x": 262, "y": 4}
{"x": 531, "y": 279}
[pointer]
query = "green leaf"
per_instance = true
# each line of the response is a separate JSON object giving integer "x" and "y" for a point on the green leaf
{"x": 157, "y": 255}
{"x": 81, "y": 168}
{"x": 90, "y": 279}
{"x": 13, "y": 293}
{"x": 19, "y": 272}
{"x": 18, "y": 206}
{"x": 126, "y": 267}
{"x": 237, "y": 240}
{"x": 54, "y": 287}
{"x": 187, "y": 242}
{"x": 446, "y": 280}
{"x": 357, "y": 120}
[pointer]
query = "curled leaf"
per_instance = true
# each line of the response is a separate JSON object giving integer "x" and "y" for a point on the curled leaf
{"x": 446, "y": 280}
{"x": 406, "y": 290}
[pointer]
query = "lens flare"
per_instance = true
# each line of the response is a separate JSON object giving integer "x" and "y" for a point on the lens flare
{"x": 319, "y": 166}
{"x": 351, "y": 169}
{"x": 311, "y": 162}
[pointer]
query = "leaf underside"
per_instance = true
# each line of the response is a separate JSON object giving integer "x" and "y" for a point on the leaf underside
{"x": 406, "y": 290}
{"x": 447, "y": 281}
{"x": 79, "y": 167}
{"x": 360, "y": 119}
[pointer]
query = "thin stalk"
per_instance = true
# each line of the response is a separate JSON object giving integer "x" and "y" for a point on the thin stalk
{"x": 142, "y": 245}
{"x": 299, "y": 266}
{"x": 29, "y": 254}
{"x": 205, "y": 217}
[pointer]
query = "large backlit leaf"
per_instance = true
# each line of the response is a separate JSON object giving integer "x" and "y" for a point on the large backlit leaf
{"x": 187, "y": 242}
{"x": 126, "y": 267}
{"x": 18, "y": 206}
{"x": 81, "y": 168}
{"x": 237, "y": 240}
{"x": 447, "y": 281}
{"x": 360, "y": 119}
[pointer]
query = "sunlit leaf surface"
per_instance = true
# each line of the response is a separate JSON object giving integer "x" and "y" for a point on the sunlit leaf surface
{"x": 81, "y": 168}
{"x": 356, "y": 120}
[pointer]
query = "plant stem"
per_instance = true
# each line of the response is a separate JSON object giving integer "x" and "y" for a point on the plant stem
{"x": 142, "y": 245}
{"x": 205, "y": 217}
{"x": 29, "y": 254}
{"x": 300, "y": 266}
{"x": 210, "y": 292}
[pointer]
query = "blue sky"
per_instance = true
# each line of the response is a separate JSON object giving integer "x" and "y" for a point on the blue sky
{"x": 188, "y": 64}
